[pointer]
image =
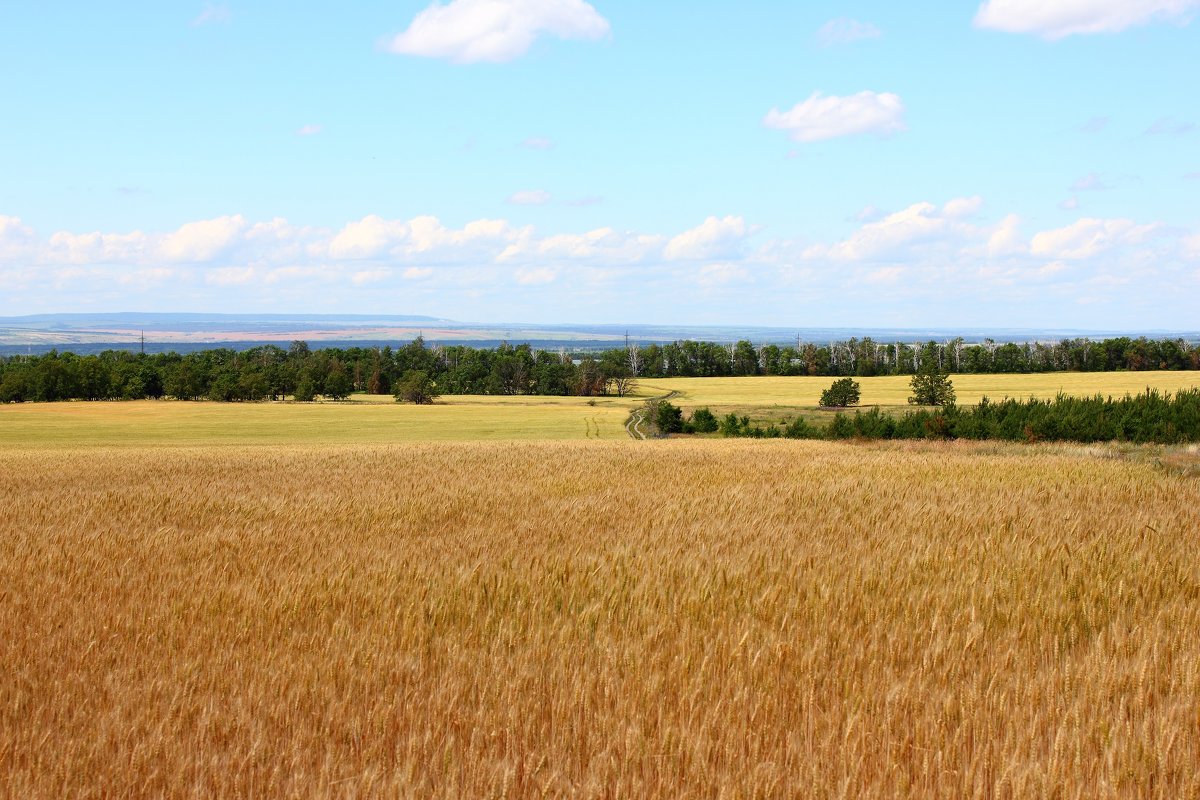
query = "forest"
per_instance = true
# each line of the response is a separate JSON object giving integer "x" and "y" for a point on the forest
{"x": 304, "y": 373}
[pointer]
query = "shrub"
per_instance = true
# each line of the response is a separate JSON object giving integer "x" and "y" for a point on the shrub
{"x": 704, "y": 421}
{"x": 844, "y": 392}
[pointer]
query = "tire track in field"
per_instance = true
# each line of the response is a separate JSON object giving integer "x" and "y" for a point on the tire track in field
{"x": 638, "y": 416}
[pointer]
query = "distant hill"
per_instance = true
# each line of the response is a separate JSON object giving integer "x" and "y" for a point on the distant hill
{"x": 183, "y": 332}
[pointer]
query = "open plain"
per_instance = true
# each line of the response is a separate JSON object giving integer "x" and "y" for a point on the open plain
{"x": 202, "y": 612}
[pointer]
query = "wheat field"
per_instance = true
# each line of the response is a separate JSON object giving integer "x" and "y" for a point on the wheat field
{"x": 894, "y": 390}
{"x": 590, "y": 619}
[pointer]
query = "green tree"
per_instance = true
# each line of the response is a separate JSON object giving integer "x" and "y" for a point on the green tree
{"x": 416, "y": 387}
{"x": 337, "y": 381}
{"x": 844, "y": 392}
{"x": 931, "y": 386}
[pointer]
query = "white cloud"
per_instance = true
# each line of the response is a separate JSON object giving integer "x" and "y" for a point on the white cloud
{"x": 1088, "y": 237}
{"x": 945, "y": 255}
{"x": 230, "y": 276}
{"x": 535, "y": 276}
{"x": 15, "y": 237}
{"x": 1005, "y": 239}
{"x": 602, "y": 244}
{"x": 828, "y": 117}
{"x": 844, "y": 30}
{"x": 870, "y": 213}
{"x": 308, "y": 130}
{"x": 370, "y": 237}
{"x": 149, "y": 276}
{"x": 720, "y": 274}
{"x": 893, "y": 235}
{"x": 537, "y": 143}
{"x": 1060, "y": 18}
{"x": 713, "y": 238}
{"x": 529, "y": 197}
{"x": 1191, "y": 246}
{"x": 204, "y": 240}
{"x": 470, "y": 31}
{"x": 963, "y": 206}
{"x": 1070, "y": 204}
{"x": 366, "y": 276}
{"x": 885, "y": 275}
{"x": 100, "y": 248}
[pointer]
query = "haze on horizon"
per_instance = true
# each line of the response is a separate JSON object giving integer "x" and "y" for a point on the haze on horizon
{"x": 998, "y": 164}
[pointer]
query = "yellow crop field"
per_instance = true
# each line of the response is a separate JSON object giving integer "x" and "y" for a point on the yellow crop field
{"x": 159, "y": 422}
{"x": 893, "y": 390}
{"x": 681, "y": 618}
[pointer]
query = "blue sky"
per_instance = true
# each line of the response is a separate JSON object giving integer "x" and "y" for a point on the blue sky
{"x": 1004, "y": 163}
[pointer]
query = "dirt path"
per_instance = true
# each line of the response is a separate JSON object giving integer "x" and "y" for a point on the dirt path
{"x": 638, "y": 416}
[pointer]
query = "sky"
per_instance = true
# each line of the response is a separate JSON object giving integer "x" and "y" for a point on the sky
{"x": 998, "y": 163}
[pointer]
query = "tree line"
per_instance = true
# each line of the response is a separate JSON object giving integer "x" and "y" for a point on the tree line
{"x": 1142, "y": 418}
{"x": 301, "y": 373}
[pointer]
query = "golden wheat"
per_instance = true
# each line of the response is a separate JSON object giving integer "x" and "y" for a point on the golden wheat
{"x": 672, "y": 619}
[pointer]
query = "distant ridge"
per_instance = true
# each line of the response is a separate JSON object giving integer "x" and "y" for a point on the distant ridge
{"x": 93, "y": 332}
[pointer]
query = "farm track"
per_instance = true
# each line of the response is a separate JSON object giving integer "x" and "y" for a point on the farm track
{"x": 638, "y": 416}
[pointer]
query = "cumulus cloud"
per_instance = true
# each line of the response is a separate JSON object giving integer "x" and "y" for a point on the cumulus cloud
{"x": 892, "y": 236}
{"x": 844, "y": 30}
{"x": 963, "y": 206}
{"x": 15, "y": 237}
{"x": 605, "y": 245}
{"x": 308, "y": 130}
{"x": 369, "y": 237}
{"x": 529, "y": 197}
{"x": 1088, "y": 237}
{"x": 713, "y": 238}
{"x": 204, "y": 240}
{"x": 947, "y": 249}
{"x": 1005, "y": 239}
{"x": 829, "y": 117}
{"x": 470, "y": 31}
{"x": 1056, "y": 20}
{"x": 100, "y": 248}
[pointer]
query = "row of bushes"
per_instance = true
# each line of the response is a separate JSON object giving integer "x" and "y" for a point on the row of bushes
{"x": 1148, "y": 417}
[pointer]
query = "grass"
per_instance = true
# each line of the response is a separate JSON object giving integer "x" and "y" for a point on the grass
{"x": 682, "y": 618}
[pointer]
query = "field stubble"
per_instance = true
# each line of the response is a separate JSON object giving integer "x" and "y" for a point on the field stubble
{"x": 672, "y": 618}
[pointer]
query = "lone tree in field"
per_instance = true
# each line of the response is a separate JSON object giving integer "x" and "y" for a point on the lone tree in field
{"x": 844, "y": 392}
{"x": 930, "y": 385}
{"x": 416, "y": 387}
